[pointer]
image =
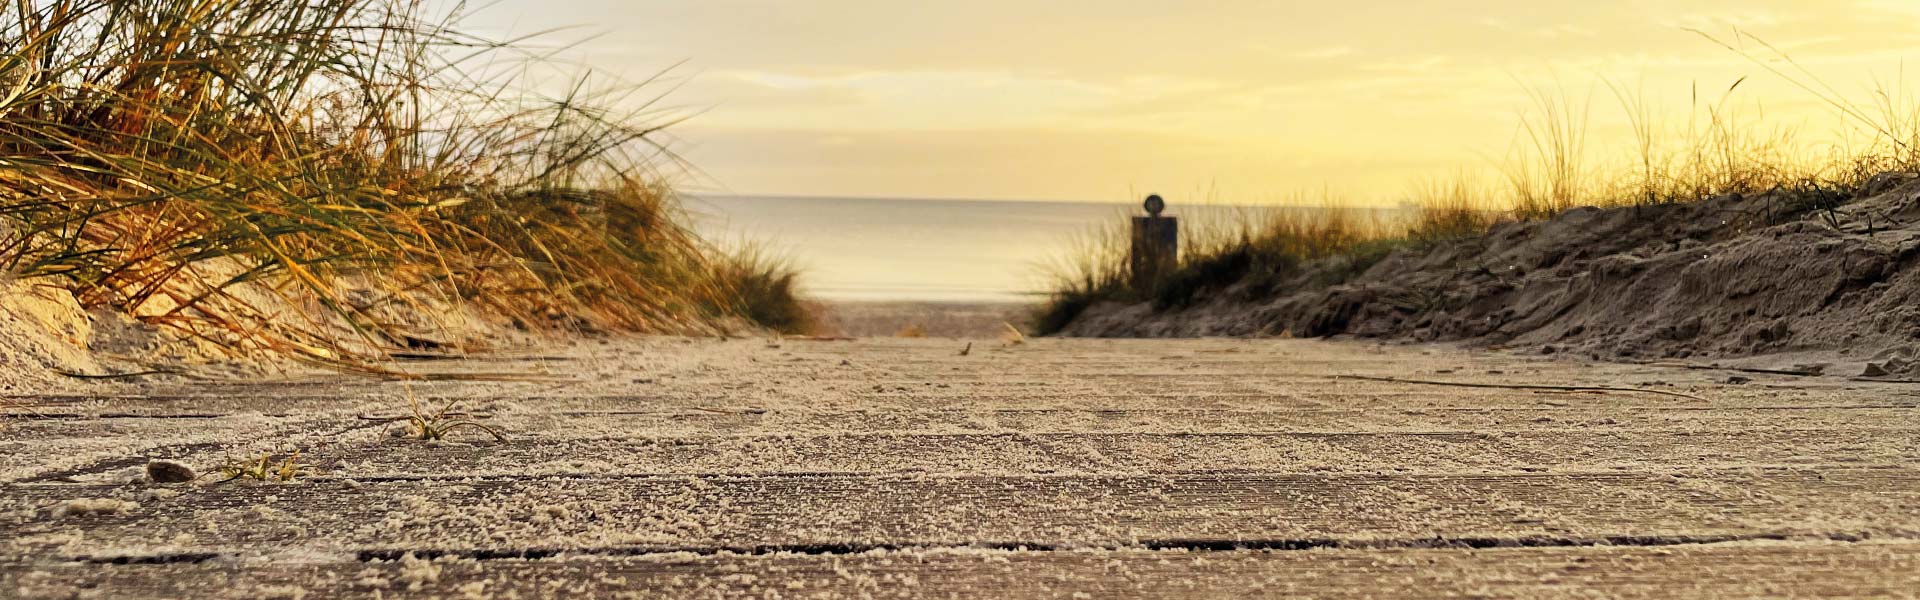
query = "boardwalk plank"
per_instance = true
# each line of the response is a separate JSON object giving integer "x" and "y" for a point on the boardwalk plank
{"x": 455, "y": 512}
{"x": 680, "y": 467}
{"x": 1745, "y": 570}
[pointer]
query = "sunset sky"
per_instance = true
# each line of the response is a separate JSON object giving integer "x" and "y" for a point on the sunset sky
{"x": 1256, "y": 100}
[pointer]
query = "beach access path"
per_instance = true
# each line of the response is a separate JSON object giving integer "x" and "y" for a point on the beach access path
{"x": 674, "y": 467}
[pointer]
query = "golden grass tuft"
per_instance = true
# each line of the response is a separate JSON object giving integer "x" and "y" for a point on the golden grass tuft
{"x": 763, "y": 288}
{"x": 331, "y": 178}
{"x": 1259, "y": 248}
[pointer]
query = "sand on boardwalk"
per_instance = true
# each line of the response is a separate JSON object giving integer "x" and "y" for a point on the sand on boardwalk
{"x": 901, "y": 468}
{"x": 853, "y": 318}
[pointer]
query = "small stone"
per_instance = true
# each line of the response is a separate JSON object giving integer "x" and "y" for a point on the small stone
{"x": 1874, "y": 370}
{"x": 167, "y": 471}
{"x": 1738, "y": 380}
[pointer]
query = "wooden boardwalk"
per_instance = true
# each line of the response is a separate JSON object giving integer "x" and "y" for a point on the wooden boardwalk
{"x": 899, "y": 468}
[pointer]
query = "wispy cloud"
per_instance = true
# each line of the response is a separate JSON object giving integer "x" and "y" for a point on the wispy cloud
{"x": 1408, "y": 64}
{"x": 1323, "y": 53}
{"x": 1895, "y": 7}
{"x": 1563, "y": 30}
{"x": 912, "y": 99}
{"x": 1737, "y": 19}
{"x": 1131, "y": 92}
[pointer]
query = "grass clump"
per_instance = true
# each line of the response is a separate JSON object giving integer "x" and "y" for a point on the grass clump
{"x": 438, "y": 426}
{"x": 763, "y": 289}
{"x": 1258, "y": 251}
{"x": 437, "y": 423}
{"x": 1263, "y": 248}
{"x": 266, "y": 470}
{"x": 327, "y": 178}
{"x": 1094, "y": 269}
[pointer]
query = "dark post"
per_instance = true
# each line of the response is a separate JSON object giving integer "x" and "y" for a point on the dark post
{"x": 1156, "y": 245}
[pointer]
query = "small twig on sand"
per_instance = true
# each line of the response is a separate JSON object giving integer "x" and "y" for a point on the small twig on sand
{"x": 1794, "y": 373}
{"x": 1515, "y": 386}
{"x": 120, "y": 375}
{"x": 492, "y": 377}
{"x": 426, "y": 356}
{"x": 22, "y": 405}
{"x": 396, "y": 418}
{"x": 723, "y": 411}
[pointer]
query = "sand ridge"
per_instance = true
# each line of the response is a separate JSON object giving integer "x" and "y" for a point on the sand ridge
{"x": 1806, "y": 279}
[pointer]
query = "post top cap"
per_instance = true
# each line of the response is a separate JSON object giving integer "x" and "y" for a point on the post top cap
{"x": 1154, "y": 205}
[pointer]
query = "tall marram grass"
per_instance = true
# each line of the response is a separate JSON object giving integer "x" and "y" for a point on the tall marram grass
{"x": 315, "y": 177}
{"x": 1258, "y": 249}
{"x": 1718, "y": 149}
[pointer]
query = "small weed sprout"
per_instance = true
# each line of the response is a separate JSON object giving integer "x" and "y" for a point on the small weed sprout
{"x": 264, "y": 469}
{"x": 436, "y": 426}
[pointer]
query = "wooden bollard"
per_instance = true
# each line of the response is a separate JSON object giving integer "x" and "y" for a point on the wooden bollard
{"x": 1156, "y": 245}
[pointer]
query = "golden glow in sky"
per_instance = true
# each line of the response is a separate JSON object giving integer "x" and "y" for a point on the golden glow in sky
{"x": 1255, "y": 100}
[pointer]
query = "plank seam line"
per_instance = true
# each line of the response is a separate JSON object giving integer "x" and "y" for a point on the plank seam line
{"x": 1186, "y": 545}
{"x": 1173, "y": 544}
{"x": 1892, "y": 470}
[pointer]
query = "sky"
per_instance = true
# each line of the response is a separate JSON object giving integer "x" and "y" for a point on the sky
{"x": 1236, "y": 101}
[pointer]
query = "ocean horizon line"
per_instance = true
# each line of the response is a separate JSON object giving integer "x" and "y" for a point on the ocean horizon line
{"x": 1171, "y": 201}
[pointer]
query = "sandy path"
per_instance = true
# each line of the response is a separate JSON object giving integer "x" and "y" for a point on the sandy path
{"x": 895, "y": 467}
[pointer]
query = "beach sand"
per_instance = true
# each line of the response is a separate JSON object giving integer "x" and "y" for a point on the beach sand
{"x": 865, "y": 319}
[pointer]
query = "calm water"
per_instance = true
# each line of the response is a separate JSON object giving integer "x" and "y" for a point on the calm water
{"x": 940, "y": 250}
{"x": 871, "y": 249}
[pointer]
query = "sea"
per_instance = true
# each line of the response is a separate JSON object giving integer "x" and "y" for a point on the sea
{"x": 877, "y": 249}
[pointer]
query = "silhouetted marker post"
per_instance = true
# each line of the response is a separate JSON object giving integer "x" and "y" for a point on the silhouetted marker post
{"x": 1156, "y": 245}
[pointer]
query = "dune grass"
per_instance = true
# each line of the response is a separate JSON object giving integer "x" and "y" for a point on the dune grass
{"x": 1259, "y": 249}
{"x": 762, "y": 287}
{"x": 329, "y": 179}
{"x": 1718, "y": 149}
